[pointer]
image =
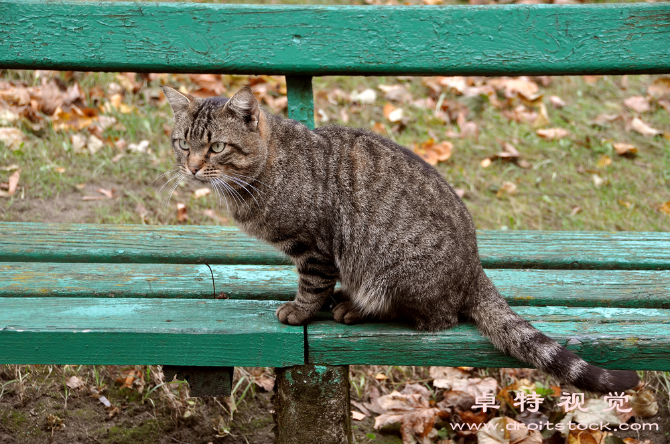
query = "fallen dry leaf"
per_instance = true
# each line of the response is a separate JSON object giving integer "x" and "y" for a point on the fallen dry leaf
{"x": 605, "y": 119}
{"x": 365, "y": 97}
{"x": 128, "y": 81}
{"x": 88, "y": 198}
{"x": 357, "y": 416}
{"x": 182, "y": 216}
{"x": 74, "y": 382}
{"x": 519, "y": 86}
{"x": 638, "y": 103}
{"x": 433, "y": 152}
{"x": 508, "y": 188}
{"x": 597, "y": 413}
{"x": 604, "y": 161}
{"x": 13, "y": 182}
{"x": 444, "y": 377}
{"x": 76, "y": 119}
{"x": 552, "y": 133}
{"x": 644, "y": 403}
{"x": 94, "y": 144}
{"x": 575, "y": 210}
{"x": 486, "y": 162}
{"x": 665, "y": 103}
{"x": 556, "y": 102}
{"x": 508, "y": 431}
{"x": 624, "y": 149}
{"x": 201, "y": 192}
{"x": 411, "y": 408}
{"x": 542, "y": 118}
{"x": 659, "y": 87}
{"x": 639, "y": 126}
{"x": 211, "y": 85}
{"x": 107, "y": 193}
{"x": 12, "y": 138}
{"x": 597, "y": 180}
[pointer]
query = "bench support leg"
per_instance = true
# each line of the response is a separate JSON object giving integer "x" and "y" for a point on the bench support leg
{"x": 312, "y": 405}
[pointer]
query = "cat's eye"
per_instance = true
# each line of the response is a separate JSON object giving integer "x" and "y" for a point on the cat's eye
{"x": 183, "y": 144}
{"x": 217, "y": 147}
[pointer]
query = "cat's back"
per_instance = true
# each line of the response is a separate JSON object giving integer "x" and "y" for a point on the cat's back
{"x": 386, "y": 194}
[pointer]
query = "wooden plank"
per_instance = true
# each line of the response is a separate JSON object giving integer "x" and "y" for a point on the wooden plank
{"x": 574, "y": 288}
{"x": 327, "y": 40}
{"x": 173, "y": 244}
{"x": 300, "y": 99}
{"x": 34, "y": 242}
{"x": 146, "y": 331}
{"x": 617, "y": 338}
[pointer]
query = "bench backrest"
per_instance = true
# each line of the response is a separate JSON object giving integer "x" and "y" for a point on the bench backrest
{"x": 305, "y": 41}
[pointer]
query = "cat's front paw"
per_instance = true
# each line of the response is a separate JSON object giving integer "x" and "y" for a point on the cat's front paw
{"x": 289, "y": 313}
{"x": 346, "y": 313}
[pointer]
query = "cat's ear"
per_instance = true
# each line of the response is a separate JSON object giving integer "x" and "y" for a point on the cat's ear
{"x": 178, "y": 101}
{"x": 245, "y": 106}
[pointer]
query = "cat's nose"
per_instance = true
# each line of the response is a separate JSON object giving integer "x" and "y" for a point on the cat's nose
{"x": 194, "y": 170}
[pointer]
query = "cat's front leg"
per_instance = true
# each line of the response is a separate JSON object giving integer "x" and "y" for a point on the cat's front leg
{"x": 316, "y": 284}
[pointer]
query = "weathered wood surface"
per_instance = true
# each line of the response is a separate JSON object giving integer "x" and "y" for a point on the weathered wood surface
{"x": 300, "y": 99}
{"x": 617, "y": 338}
{"x": 312, "y": 405}
{"x": 574, "y": 288}
{"x": 28, "y": 242}
{"x": 146, "y": 331}
{"x": 326, "y": 40}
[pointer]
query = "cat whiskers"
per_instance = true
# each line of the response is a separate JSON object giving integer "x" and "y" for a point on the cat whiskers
{"x": 242, "y": 184}
{"x": 179, "y": 176}
{"x": 233, "y": 192}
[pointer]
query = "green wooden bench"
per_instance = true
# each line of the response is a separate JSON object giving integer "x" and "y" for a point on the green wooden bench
{"x": 80, "y": 294}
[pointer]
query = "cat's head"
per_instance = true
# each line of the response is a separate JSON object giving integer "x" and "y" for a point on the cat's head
{"x": 217, "y": 137}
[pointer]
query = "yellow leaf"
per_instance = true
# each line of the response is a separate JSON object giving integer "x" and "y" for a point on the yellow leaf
{"x": 666, "y": 209}
{"x": 604, "y": 161}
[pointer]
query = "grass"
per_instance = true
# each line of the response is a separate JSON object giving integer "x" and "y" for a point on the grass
{"x": 559, "y": 179}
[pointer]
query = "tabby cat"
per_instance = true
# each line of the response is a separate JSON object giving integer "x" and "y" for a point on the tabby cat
{"x": 349, "y": 205}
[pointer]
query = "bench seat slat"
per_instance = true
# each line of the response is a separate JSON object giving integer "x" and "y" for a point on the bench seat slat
{"x": 327, "y": 40}
{"x": 32, "y": 242}
{"x": 146, "y": 331}
{"x": 609, "y": 337}
{"x": 575, "y": 288}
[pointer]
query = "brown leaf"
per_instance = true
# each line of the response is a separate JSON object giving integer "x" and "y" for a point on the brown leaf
{"x": 644, "y": 402}
{"x": 552, "y": 133}
{"x": 576, "y": 209}
{"x": 411, "y": 409}
{"x": 508, "y": 188}
{"x": 542, "y": 118}
{"x": 556, "y": 102}
{"x": 128, "y": 81}
{"x": 182, "y": 216}
{"x": 638, "y": 103}
{"x": 109, "y": 194}
{"x": 88, "y": 198}
{"x": 639, "y": 126}
{"x": 665, "y": 103}
{"x": 519, "y": 86}
{"x": 624, "y": 149}
{"x": 12, "y": 138}
{"x": 605, "y": 119}
{"x": 357, "y": 416}
{"x": 659, "y": 87}
{"x": 475, "y": 386}
{"x": 434, "y": 153}
{"x": 506, "y": 430}
{"x": 74, "y": 382}
{"x": 201, "y": 192}
{"x": 13, "y": 182}
{"x": 75, "y": 119}
{"x": 459, "y": 401}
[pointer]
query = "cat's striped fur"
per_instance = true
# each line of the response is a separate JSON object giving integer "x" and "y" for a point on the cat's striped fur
{"x": 347, "y": 204}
